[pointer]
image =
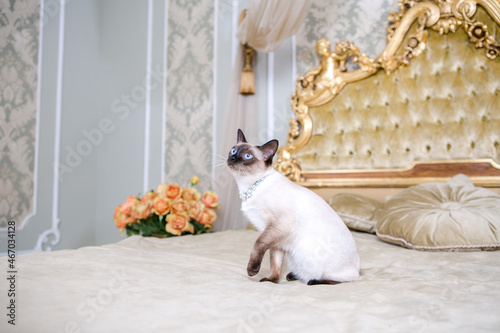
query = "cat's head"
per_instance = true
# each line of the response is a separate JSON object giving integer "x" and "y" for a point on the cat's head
{"x": 247, "y": 159}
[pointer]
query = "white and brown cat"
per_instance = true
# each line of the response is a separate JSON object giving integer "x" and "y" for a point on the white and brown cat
{"x": 294, "y": 221}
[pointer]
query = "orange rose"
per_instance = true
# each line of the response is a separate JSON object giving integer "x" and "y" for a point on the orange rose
{"x": 173, "y": 191}
{"x": 162, "y": 190}
{"x": 195, "y": 209}
{"x": 179, "y": 205}
{"x": 210, "y": 199}
{"x": 161, "y": 205}
{"x": 149, "y": 197}
{"x": 178, "y": 223}
{"x": 129, "y": 204}
{"x": 208, "y": 217}
{"x": 190, "y": 194}
{"x": 143, "y": 210}
{"x": 121, "y": 220}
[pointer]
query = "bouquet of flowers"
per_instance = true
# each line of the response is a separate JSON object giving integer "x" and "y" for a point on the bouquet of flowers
{"x": 170, "y": 211}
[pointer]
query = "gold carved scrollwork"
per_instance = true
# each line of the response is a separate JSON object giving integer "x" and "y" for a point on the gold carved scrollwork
{"x": 448, "y": 22}
{"x": 322, "y": 83}
{"x": 479, "y": 35}
{"x": 325, "y": 81}
{"x": 287, "y": 166}
{"x": 293, "y": 131}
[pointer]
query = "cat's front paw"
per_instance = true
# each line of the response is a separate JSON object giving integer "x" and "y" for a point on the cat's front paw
{"x": 253, "y": 268}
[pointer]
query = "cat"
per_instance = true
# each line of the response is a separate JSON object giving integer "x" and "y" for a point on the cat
{"x": 294, "y": 222}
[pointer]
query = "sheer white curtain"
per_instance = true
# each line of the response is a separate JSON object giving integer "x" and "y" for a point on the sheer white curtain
{"x": 267, "y": 24}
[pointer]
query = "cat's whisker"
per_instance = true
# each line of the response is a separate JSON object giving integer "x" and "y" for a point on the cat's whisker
{"x": 214, "y": 166}
{"x": 220, "y": 156}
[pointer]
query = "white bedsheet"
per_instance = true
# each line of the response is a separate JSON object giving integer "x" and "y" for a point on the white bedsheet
{"x": 199, "y": 284}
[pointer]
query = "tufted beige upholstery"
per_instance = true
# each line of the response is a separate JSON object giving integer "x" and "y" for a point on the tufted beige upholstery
{"x": 444, "y": 106}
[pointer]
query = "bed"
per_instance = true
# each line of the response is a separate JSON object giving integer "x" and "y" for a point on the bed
{"x": 405, "y": 147}
{"x": 199, "y": 284}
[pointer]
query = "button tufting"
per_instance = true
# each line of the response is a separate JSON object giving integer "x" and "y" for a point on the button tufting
{"x": 440, "y": 117}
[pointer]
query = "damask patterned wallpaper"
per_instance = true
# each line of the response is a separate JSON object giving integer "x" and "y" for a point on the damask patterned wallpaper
{"x": 360, "y": 21}
{"x": 188, "y": 139}
{"x": 19, "y": 29}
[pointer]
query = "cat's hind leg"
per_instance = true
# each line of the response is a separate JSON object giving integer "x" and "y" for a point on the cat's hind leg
{"x": 291, "y": 277}
{"x": 276, "y": 263}
{"x": 314, "y": 282}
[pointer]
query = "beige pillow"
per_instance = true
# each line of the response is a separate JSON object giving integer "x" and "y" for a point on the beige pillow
{"x": 356, "y": 211}
{"x": 454, "y": 215}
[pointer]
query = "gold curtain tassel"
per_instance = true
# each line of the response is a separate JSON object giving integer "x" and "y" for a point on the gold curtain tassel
{"x": 247, "y": 80}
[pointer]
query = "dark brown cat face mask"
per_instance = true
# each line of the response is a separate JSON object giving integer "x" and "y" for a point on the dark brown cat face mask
{"x": 244, "y": 157}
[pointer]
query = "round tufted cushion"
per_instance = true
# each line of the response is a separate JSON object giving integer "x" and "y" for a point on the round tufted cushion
{"x": 356, "y": 211}
{"x": 454, "y": 215}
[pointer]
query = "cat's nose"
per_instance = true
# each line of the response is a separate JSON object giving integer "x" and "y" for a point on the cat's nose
{"x": 232, "y": 158}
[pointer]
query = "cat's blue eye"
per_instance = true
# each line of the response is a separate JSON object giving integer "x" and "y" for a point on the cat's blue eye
{"x": 248, "y": 156}
{"x": 233, "y": 151}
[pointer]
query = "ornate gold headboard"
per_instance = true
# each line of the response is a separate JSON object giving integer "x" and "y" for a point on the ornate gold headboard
{"x": 424, "y": 110}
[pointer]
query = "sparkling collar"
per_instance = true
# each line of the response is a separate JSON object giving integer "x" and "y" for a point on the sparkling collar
{"x": 245, "y": 195}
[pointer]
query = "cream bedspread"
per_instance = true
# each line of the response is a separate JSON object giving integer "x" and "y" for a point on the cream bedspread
{"x": 199, "y": 284}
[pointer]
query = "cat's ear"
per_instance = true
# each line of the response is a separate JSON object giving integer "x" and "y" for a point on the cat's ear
{"x": 269, "y": 149}
{"x": 241, "y": 137}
